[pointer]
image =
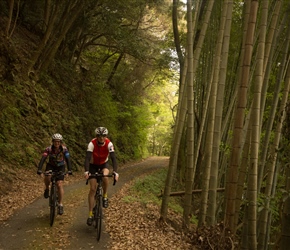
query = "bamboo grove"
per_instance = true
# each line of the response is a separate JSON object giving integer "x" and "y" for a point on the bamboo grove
{"x": 231, "y": 127}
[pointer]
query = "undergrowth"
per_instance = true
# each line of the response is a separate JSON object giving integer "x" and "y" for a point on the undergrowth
{"x": 148, "y": 189}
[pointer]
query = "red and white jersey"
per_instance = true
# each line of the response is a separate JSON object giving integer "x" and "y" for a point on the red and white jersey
{"x": 100, "y": 153}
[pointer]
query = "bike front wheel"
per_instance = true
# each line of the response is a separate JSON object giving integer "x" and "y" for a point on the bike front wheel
{"x": 98, "y": 216}
{"x": 52, "y": 204}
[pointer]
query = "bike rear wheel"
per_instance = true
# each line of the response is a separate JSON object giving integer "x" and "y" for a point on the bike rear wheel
{"x": 98, "y": 217}
{"x": 52, "y": 203}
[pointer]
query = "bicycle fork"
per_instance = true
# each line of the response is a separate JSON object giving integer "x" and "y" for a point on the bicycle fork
{"x": 54, "y": 189}
{"x": 98, "y": 201}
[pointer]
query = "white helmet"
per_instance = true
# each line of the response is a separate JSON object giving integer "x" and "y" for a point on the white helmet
{"x": 101, "y": 131}
{"x": 57, "y": 137}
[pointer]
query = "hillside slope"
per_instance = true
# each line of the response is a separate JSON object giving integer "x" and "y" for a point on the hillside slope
{"x": 34, "y": 107}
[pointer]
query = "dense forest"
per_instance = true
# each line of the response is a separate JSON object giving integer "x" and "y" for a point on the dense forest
{"x": 71, "y": 66}
{"x": 205, "y": 82}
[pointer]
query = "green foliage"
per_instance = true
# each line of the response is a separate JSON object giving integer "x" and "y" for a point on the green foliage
{"x": 114, "y": 83}
{"x": 162, "y": 101}
{"x": 5, "y": 149}
{"x": 146, "y": 189}
{"x": 274, "y": 205}
{"x": 133, "y": 123}
{"x": 31, "y": 153}
{"x": 225, "y": 148}
{"x": 151, "y": 184}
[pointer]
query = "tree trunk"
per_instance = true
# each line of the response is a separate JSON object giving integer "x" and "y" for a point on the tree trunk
{"x": 68, "y": 20}
{"x": 47, "y": 12}
{"x": 190, "y": 119}
{"x": 221, "y": 91}
{"x": 210, "y": 173}
{"x": 256, "y": 124}
{"x": 269, "y": 53}
{"x": 272, "y": 171}
{"x": 243, "y": 171}
{"x": 115, "y": 68}
{"x": 256, "y": 127}
{"x": 11, "y": 6}
{"x": 177, "y": 135}
{"x": 176, "y": 35}
{"x": 191, "y": 168}
{"x": 180, "y": 124}
{"x": 285, "y": 219}
{"x": 232, "y": 176}
{"x": 49, "y": 32}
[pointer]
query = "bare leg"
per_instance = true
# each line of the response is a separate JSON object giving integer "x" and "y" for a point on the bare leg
{"x": 91, "y": 196}
{"x": 47, "y": 181}
{"x": 60, "y": 191}
{"x": 105, "y": 180}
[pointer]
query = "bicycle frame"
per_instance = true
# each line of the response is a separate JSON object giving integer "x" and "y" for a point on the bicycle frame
{"x": 98, "y": 208}
{"x": 53, "y": 197}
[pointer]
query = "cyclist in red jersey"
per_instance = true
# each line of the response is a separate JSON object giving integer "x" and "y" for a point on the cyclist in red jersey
{"x": 58, "y": 158}
{"x": 97, "y": 156}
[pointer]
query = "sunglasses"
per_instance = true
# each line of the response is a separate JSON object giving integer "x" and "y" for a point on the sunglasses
{"x": 101, "y": 136}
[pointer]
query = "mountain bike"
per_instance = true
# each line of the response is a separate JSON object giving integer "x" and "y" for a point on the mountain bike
{"x": 98, "y": 208}
{"x": 53, "y": 194}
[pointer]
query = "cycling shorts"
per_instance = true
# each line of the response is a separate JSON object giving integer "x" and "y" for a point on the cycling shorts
{"x": 95, "y": 168}
{"x": 56, "y": 169}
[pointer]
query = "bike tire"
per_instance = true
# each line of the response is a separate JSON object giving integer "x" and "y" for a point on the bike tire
{"x": 99, "y": 217}
{"x": 52, "y": 203}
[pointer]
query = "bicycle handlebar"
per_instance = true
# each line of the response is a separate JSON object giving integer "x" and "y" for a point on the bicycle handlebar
{"x": 50, "y": 172}
{"x": 96, "y": 175}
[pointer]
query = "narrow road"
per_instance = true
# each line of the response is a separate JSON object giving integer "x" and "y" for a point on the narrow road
{"x": 29, "y": 227}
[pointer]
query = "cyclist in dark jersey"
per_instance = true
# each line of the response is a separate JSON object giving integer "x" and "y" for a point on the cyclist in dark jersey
{"x": 58, "y": 158}
{"x": 97, "y": 156}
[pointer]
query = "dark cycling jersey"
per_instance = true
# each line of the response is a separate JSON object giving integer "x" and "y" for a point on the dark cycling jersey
{"x": 57, "y": 158}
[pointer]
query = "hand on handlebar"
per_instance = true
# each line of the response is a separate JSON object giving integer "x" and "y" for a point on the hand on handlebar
{"x": 116, "y": 176}
{"x": 87, "y": 175}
